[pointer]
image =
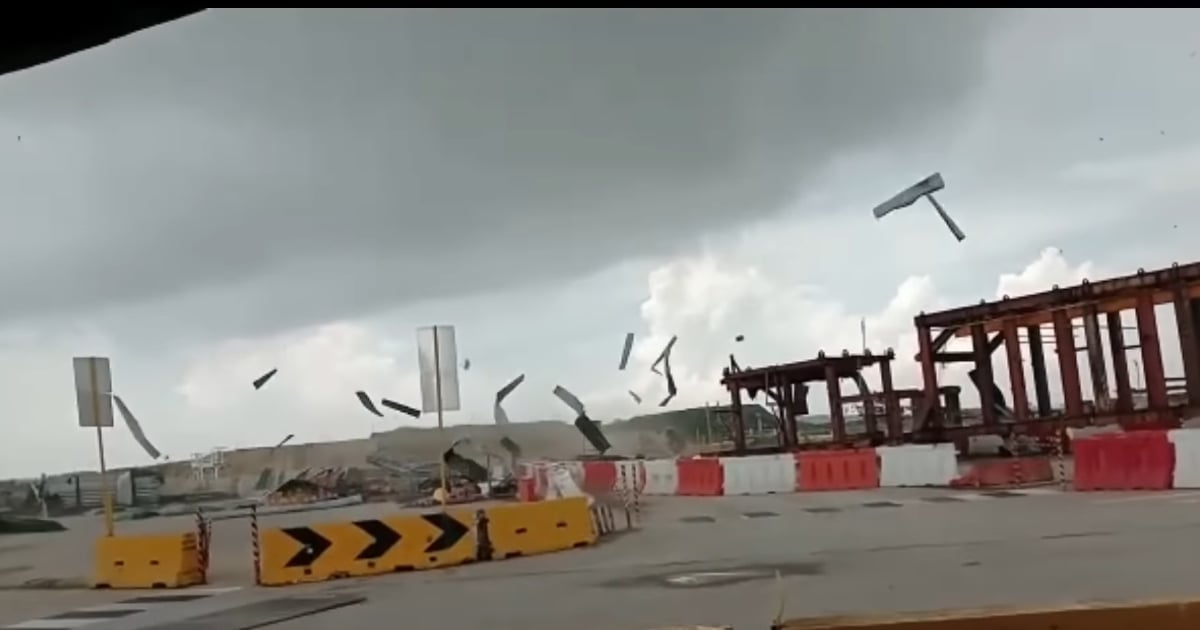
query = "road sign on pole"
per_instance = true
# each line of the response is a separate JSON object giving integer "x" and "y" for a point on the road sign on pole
{"x": 93, "y": 397}
{"x": 437, "y": 358}
{"x": 93, "y": 385}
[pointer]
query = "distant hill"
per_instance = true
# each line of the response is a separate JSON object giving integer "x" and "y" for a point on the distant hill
{"x": 693, "y": 424}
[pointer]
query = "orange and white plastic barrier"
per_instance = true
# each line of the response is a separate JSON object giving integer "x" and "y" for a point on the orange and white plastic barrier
{"x": 914, "y": 465}
{"x": 759, "y": 474}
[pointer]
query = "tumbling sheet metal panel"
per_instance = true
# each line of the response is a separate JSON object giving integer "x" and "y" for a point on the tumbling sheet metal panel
{"x": 759, "y": 474}
{"x": 1186, "y": 443}
{"x": 914, "y": 465}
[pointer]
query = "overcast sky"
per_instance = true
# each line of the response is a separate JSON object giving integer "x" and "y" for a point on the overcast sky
{"x": 243, "y": 190}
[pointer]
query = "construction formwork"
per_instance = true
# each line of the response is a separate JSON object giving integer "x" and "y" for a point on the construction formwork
{"x": 1052, "y": 317}
{"x": 787, "y": 386}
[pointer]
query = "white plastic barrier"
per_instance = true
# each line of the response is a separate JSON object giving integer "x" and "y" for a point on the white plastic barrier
{"x": 662, "y": 477}
{"x": 917, "y": 465}
{"x": 1187, "y": 457}
{"x": 563, "y": 483}
{"x": 759, "y": 474}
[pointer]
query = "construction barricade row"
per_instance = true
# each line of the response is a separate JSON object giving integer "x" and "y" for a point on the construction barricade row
{"x": 326, "y": 551}
{"x": 1136, "y": 460}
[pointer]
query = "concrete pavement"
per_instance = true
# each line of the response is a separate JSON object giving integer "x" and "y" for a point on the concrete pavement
{"x": 714, "y": 560}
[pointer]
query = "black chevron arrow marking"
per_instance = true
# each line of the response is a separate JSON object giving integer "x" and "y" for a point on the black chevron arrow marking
{"x": 384, "y": 538}
{"x": 452, "y": 531}
{"x": 313, "y": 543}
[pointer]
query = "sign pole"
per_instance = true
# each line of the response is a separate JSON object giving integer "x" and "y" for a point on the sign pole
{"x": 105, "y": 495}
{"x": 437, "y": 385}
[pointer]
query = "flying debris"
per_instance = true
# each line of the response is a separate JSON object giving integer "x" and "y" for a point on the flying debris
{"x": 637, "y": 399}
{"x": 135, "y": 428}
{"x": 262, "y": 380}
{"x": 509, "y": 445}
{"x": 670, "y": 384}
{"x": 570, "y": 400}
{"x": 909, "y": 196}
{"x": 740, "y": 338}
{"x": 366, "y": 402}
{"x": 591, "y": 431}
{"x": 662, "y": 356}
{"x": 625, "y": 352}
{"x": 401, "y": 407}
{"x": 665, "y": 359}
{"x": 287, "y": 438}
{"x": 466, "y": 364}
{"x": 498, "y": 411}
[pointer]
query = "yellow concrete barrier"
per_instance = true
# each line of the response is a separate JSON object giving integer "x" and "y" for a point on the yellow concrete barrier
{"x": 1159, "y": 615}
{"x": 325, "y": 551}
{"x": 153, "y": 561}
{"x": 526, "y": 529}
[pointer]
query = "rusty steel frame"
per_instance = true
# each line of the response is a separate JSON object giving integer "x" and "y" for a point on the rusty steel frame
{"x": 786, "y": 385}
{"x": 1178, "y": 285}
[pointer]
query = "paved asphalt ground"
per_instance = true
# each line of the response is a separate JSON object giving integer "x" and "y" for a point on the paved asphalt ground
{"x": 714, "y": 561}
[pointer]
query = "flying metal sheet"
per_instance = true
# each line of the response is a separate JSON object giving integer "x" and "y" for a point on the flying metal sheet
{"x": 368, "y": 403}
{"x": 135, "y": 428}
{"x": 625, "y": 352}
{"x": 262, "y": 380}
{"x": 498, "y": 412}
{"x": 662, "y": 356}
{"x": 570, "y": 400}
{"x": 401, "y": 407}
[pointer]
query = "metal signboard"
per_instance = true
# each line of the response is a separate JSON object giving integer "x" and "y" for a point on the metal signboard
{"x": 93, "y": 389}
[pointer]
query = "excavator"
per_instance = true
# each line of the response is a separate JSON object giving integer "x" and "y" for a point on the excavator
{"x": 42, "y": 34}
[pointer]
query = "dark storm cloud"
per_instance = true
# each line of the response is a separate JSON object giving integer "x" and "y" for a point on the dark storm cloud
{"x": 336, "y": 162}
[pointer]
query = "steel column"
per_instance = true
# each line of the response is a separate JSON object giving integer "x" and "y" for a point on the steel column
{"x": 895, "y": 426}
{"x": 837, "y": 420}
{"x": 1184, "y": 318}
{"x": 1152, "y": 364}
{"x": 1116, "y": 345}
{"x": 1016, "y": 372}
{"x": 983, "y": 374}
{"x": 739, "y": 424}
{"x": 1095, "y": 353}
{"x": 1068, "y": 364}
{"x": 1037, "y": 364}
{"x": 931, "y": 404}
